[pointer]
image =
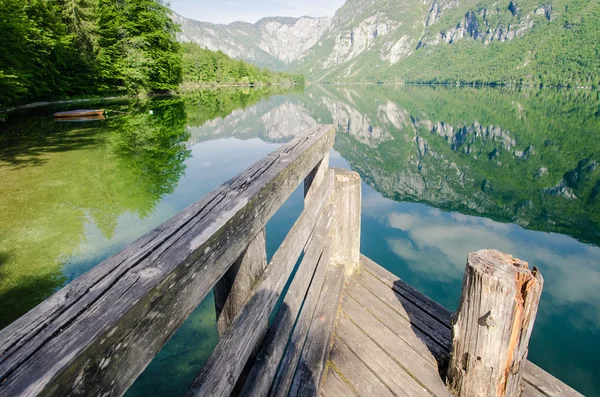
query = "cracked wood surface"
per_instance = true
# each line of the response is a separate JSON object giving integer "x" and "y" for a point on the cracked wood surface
{"x": 97, "y": 334}
{"x": 393, "y": 340}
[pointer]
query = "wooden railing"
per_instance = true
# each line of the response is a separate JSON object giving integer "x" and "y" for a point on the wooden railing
{"x": 96, "y": 335}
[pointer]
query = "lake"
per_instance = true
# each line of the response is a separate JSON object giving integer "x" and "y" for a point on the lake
{"x": 446, "y": 171}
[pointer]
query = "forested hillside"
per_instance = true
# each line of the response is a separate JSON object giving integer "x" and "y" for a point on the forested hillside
{"x": 56, "y": 48}
{"x": 517, "y": 42}
{"x": 544, "y": 43}
{"x": 204, "y": 67}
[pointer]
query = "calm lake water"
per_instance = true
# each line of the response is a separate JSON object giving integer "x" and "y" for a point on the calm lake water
{"x": 446, "y": 171}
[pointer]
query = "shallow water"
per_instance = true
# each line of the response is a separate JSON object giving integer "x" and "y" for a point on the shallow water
{"x": 445, "y": 172}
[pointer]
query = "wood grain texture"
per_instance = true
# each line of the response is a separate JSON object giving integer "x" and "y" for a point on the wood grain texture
{"x": 289, "y": 361}
{"x": 492, "y": 325}
{"x": 407, "y": 350}
{"x": 360, "y": 378}
{"x": 315, "y": 178}
{"x": 312, "y": 363}
{"x": 310, "y": 274}
{"x": 388, "y": 370}
{"x": 347, "y": 201}
{"x": 539, "y": 380}
{"x": 223, "y": 368}
{"x": 97, "y": 334}
{"x": 233, "y": 290}
{"x": 335, "y": 386}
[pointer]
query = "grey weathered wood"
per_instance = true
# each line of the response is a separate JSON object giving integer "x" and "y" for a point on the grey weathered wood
{"x": 540, "y": 380}
{"x": 227, "y": 361}
{"x": 347, "y": 217}
{"x": 388, "y": 370}
{"x": 335, "y": 386}
{"x": 310, "y": 274}
{"x": 97, "y": 334}
{"x": 492, "y": 325}
{"x": 398, "y": 316}
{"x": 315, "y": 177}
{"x": 428, "y": 305}
{"x": 356, "y": 373}
{"x": 418, "y": 319}
{"x": 287, "y": 365}
{"x": 315, "y": 352}
{"x": 233, "y": 290}
{"x": 398, "y": 340}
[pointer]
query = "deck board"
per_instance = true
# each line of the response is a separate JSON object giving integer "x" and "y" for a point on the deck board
{"x": 392, "y": 340}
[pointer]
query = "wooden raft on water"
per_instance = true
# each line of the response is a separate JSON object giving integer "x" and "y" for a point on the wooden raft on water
{"x": 346, "y": 326}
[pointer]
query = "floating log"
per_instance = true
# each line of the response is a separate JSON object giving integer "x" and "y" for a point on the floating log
{"x": 492, "y": 326}
{"x": 79, "y": 119}
{"x": 80, "y": 113}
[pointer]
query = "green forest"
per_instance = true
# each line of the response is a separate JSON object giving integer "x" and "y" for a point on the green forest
{"x": 55, "y": 49}
{"x": 202, "y": 67}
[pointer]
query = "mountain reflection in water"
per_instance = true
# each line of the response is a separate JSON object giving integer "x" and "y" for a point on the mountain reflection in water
{"x": 446, "y": 171}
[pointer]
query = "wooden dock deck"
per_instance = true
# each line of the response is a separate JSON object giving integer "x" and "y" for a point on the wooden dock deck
{"x": 343, "y": 326}
{"x": 391, "y": 340}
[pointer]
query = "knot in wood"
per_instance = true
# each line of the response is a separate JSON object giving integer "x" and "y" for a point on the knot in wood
{"x": 487, "y": 320}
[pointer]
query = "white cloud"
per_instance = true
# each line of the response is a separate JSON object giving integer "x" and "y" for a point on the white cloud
{"x": 437, "y": 246}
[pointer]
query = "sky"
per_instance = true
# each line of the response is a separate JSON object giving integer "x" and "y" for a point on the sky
{"x": 227, "y": 11}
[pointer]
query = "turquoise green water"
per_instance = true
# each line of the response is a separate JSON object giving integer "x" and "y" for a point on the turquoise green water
{"x": 445, "y": 172}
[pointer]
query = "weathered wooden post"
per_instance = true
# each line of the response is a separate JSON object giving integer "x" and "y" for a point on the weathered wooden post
{"x": 345, "y": 236}
{"x": 492, "y": 326}
{"x": 233, "y": 290}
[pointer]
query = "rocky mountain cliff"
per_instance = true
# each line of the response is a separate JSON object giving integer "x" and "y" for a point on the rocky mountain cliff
{"x": 548, "y": 42}
{"x": 275, "y": 43}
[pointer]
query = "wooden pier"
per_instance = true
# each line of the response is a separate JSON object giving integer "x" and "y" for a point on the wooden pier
{"x": 344, "y": 327}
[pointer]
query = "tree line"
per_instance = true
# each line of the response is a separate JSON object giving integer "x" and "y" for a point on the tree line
{"x": 202, "y": 66}
{"x": 69, "y": 48}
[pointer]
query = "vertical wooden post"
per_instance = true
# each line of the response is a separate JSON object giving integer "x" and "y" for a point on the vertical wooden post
{"x": 345, "y": 233}
{"x": 492, "y": 326}
{"x": 233, "y": 290}
{"x": 314, "y": 179}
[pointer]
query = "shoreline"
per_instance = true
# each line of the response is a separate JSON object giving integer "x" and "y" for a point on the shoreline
{"x": 181, "y": 89}
{"x": 190, "y": 87}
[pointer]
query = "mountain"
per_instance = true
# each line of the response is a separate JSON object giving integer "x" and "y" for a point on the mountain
{"x": 275, "y": 43}
{"x": 541, "y": 42}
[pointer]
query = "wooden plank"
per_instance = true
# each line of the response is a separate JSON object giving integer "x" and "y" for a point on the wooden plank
{"x": 434, "y": 309}
{"x": 309, "y": 275}
{"x": 289, "y": 361}
{"x": 397, "y": 316}
{"x": 227, "y": 361}
{"x": 360, "y": 378}
{"x": 315, "y": 178}
{"x": 389, "y": 371}
{"x": 334, "y": 386}
{"x": 545, "y": 383}
{"x": 233, "y": 290}
{"x": 539, "y": 380}
{"x": 97, "y": 334}
{"x": 531, "y": 391}
{"x": 418, "y": 318}
{"x": 312, "y": 364}
{"x": 403, "y": 352}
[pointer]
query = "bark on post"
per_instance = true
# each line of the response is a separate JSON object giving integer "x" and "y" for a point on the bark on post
{"x": 233, "y": 290}
{"x": 345, "y": 236}
{"x": 492, "y": 326}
